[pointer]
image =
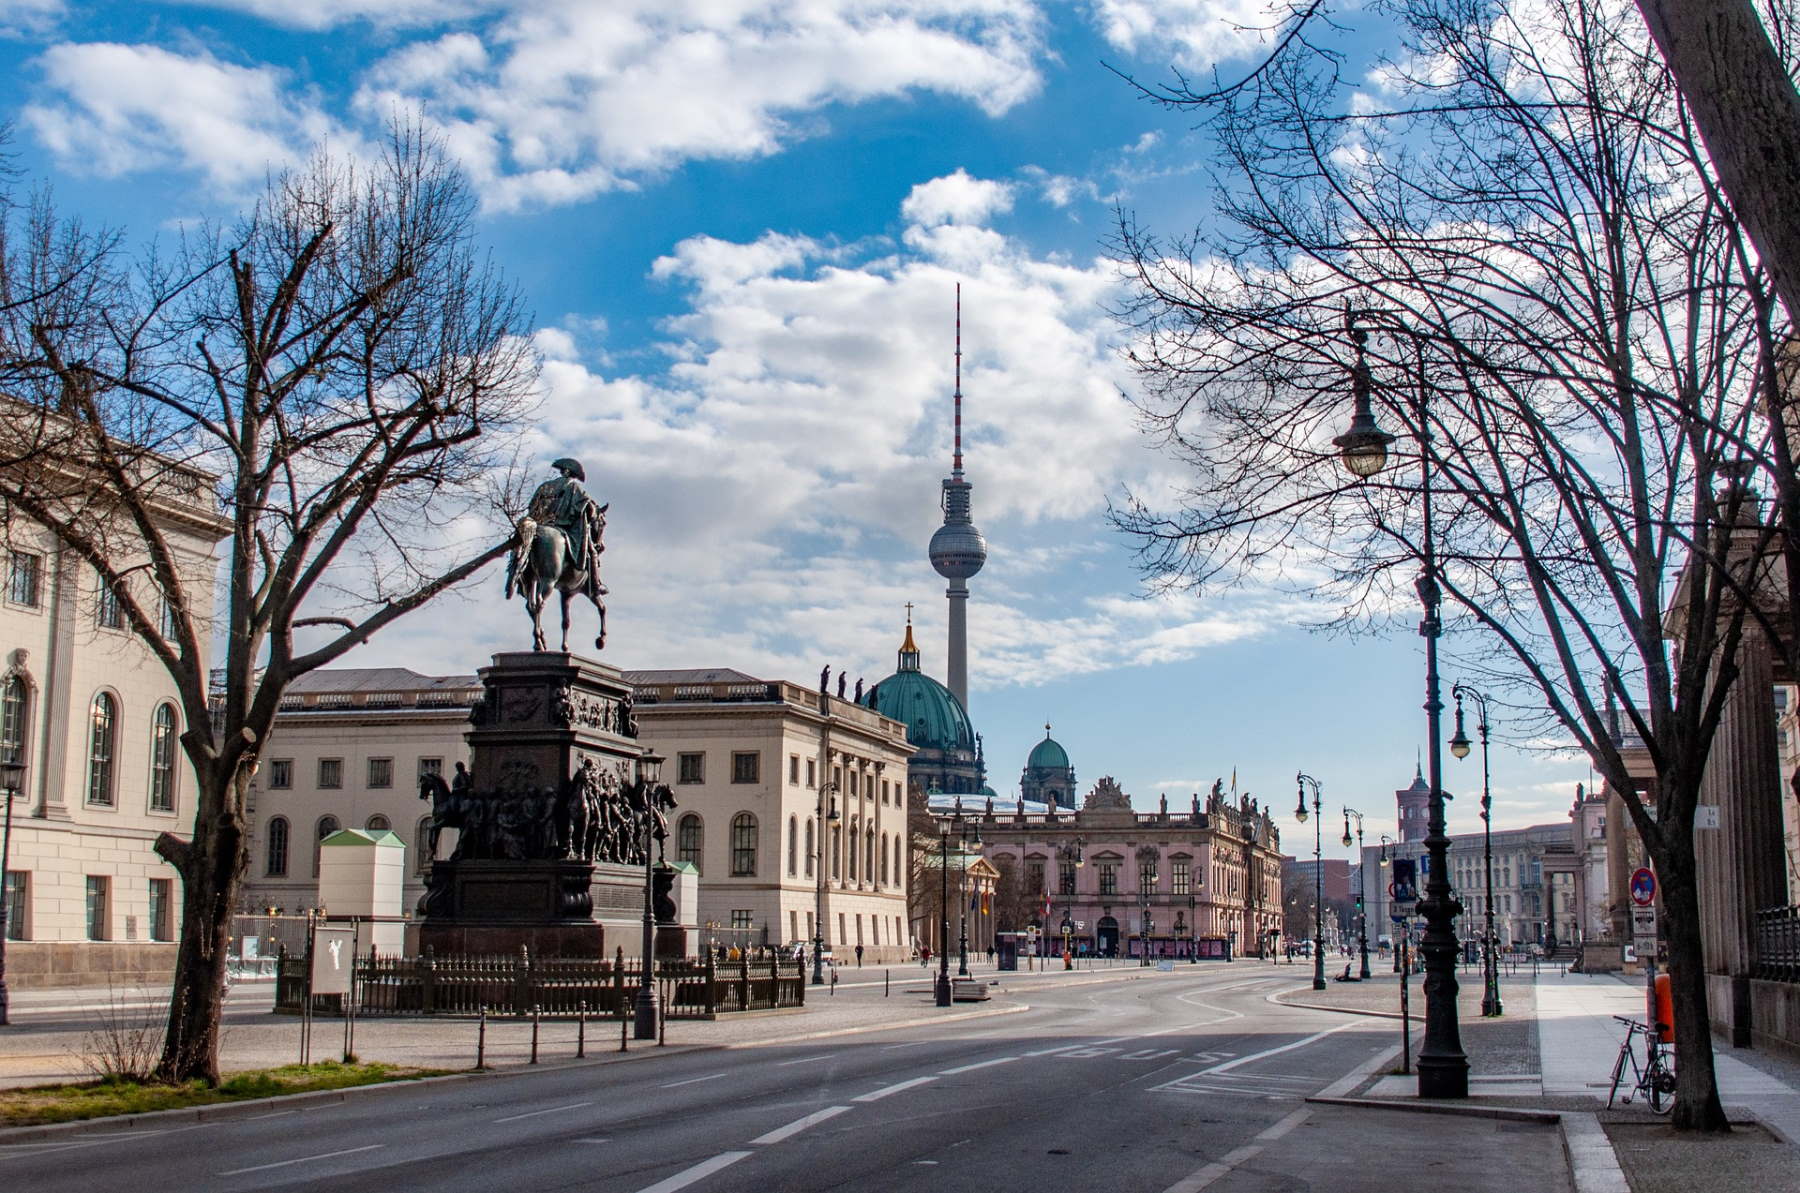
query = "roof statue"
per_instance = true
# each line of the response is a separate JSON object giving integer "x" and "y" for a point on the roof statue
{"x": 557, "y": 549}
{"x": 1106, "y": 794}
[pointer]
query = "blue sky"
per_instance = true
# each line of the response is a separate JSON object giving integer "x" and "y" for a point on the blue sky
{"x": 740, "y": 224}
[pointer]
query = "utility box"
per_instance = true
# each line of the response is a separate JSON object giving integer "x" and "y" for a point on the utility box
{"x": 362, "y": 873}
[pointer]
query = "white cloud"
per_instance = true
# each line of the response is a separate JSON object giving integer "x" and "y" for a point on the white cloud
{"x": 122, "y": 108}
{"x": 28, "y": 16}
{"x": 956, "y": 199}
{"x": 1060, "y": 190}
{"x": 1194, "y": 34}
{"x": 555, "y": 103}
{"x": 328, "y": 14}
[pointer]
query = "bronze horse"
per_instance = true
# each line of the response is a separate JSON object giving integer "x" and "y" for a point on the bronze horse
{"x": 540, "y": 565}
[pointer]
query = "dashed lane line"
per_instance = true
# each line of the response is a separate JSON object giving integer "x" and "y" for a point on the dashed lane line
{"x": 349, "y": 1151}
{"x": 980, "y": 1064}
{"x": 800, "y": 1124}
{"x": 513, "y": 1118}
{"x": 698, "y": 1172}
{"x": 877, "y": 1095}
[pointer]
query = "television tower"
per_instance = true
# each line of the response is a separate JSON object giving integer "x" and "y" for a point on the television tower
{"x": 957, "y": 549}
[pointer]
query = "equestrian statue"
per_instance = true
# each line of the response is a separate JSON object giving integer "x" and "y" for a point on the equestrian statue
{"x": 557, "y": 548}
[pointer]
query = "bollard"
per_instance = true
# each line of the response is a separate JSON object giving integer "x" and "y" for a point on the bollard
{"x": 534, "y": 1032}
{"x": 623, "y": 1021}
{"x": 884, "y": 983}
{"x": 481, "y": 1040}
{"x": 581, "y": 1030}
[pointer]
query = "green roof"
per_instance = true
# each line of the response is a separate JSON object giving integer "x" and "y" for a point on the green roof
{"x": 934, "y": 717}
{"x": 362, "y": 837}
{"x": 1048, "y": 753}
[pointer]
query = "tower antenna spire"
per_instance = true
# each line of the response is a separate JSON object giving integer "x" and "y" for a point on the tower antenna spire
{"x": 956, "y": 462}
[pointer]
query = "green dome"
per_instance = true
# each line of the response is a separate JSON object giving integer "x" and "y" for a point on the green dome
{"x": 934, "y": 717}
{"x": 1048, "y": 753}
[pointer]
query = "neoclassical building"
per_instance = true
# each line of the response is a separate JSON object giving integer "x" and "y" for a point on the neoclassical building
{"x": 947, "y": 752}
{"x": 1106, "y": 878}
{"x": 1048, "y": 777}
{"x": 97, "y": 722}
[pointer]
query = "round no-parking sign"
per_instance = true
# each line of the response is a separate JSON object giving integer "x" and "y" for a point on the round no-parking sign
{"x": 1643, "y": 886}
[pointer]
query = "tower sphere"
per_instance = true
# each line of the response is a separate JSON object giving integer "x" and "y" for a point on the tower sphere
{"x": 958, "y": 550}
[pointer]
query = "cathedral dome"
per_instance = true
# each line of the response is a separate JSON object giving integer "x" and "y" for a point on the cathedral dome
{"x": 934, "y": 717}
{"x": 1048, "y": 752}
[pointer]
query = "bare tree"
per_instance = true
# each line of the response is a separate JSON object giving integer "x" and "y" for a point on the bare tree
{"x": 1551, "y": 305}
{"x": 333, "y": 379}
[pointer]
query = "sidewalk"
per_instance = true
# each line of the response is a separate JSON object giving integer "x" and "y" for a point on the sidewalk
{"x": 1553, "y": 1050}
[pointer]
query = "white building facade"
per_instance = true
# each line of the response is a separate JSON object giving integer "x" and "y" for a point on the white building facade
{"x": 97, "y": 722}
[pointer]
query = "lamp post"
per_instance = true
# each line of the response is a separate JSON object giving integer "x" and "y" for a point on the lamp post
{"x": 1388, "y": 887}
{"x": 1069, "y": 853}
{"x": 1144, "y": 933}
{"x": 1318, "y": 949}
{"x": 1362, "y": 908}
{"x": 828, "y": 820}
{"x": 969, "y": 833}
{"x": 12, "y": 780}
{"x": 1443, "y": 1066}
{"x": 942, "y": 985}
{"x": 1193, "y": 932}
{"x": 649, "y": 779}
{"x": 1459, "y": 746}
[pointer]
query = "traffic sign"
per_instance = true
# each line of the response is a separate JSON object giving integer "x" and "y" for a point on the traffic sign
{"x": 1643, "y": 886}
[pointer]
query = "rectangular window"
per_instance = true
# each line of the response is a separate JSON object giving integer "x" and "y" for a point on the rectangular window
{"x": 746, "y": 766}
{"x": 281, "y": 774}
{"x": 166, "y": 623}
{"x": 1034, "y": 878}
{"x": 690, "y": 768}
{"x": 97, "y": 909}
{"x": 25, "y": 578}
{"x": 884, "y": 791}
{"x": 431, "y": 766}
{"x": 793, "y": 770}
{"x": 853, "y": 790}
{"x": 331, "y": 773}
{"x": 812, "y": 772}
{"x": 1179, "y": 877}
{"x": 1109, "y": 878}
{"x": 107, "y": 613}
{"x": 1147, "y": 875}
{"x": 381, "y": 772}
{"x": 162, "y": 909}
{"x": 18, "y": 884}
{"x": 1068, "y": 878}
{"x": 740, "y": 919}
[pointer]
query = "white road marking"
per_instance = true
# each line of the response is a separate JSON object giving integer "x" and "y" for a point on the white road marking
{"x": 349, "y": 1151}
{"x": 1051, "y": 1051}
{"x": 272, "y": 1114}
{"x": 1212, "y": 1172}
{"x": 877, "y": 1095}
{"x": 698, "y": 1172}
{"x": 588, "y": 1141}
{"x": 1271, "y": 1134}
{"x": 1314, "y": 1038}
{"x": 805, "y": 1060}
{"x": 694, "y": 1080}
{"x": 799, "y": 1125}
{"x": 513, "y": 1118}
{"x": 980, "y": 1064}
{"x": 1148, "y": 1053}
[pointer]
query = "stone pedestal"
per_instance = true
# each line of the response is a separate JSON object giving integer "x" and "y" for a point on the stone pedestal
{"x": 534, "y": 862}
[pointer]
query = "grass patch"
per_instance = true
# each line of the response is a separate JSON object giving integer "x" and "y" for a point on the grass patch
{"x": 98, "y": 1099}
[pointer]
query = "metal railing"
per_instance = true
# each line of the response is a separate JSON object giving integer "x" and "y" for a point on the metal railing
{"x": 1778, "y": 944}
{"x": 465, "y": 985}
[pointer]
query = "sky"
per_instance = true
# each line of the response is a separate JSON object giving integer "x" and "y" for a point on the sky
{"x": 741, "y": 225}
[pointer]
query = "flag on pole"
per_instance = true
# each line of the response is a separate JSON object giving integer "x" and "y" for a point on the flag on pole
{"x": 1234, "y": 780}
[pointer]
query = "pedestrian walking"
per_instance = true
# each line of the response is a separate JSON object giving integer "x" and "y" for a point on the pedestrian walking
{"x": 859, "y": 954}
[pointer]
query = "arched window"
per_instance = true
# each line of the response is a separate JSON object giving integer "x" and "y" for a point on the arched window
{"x": 378, "y": 823}
{"x": 162, "y": 759}
{"x": 793, "y": 846}
{"x": 422, "y": 845}
{"x": 884, "y": 859}
{"x": 743, "y": 845}
{"x": 811, "y": 849}
{"x": 327, "y": 826}
{"x": 102, "y": 731}
{"x": 12, "y": 720}
{"x": 276, "y": 866}
{"x": 689, "y": 840}
{"x": 869, "y": 854}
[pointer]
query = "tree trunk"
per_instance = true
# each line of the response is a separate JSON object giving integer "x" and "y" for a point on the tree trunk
{"x": 1749, "y": 115}
{"x": 1697, "y": 1106}
{"x": 211, "y": 866}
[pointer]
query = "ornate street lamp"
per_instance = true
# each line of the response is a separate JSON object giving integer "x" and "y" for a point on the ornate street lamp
{"x": 1443, "y": 1066}
{"x": 942, "y": 986}
{"x": 12, "y": 781}
{"x": 1362, "y": 911}
{"x": 1071, "y": 852}
{"x": 649, "y": 778}
{"x": 969, "y": 833}
{"x": 828, "y": 821}
{"x": 1193, "y": 932}
{"x": 1459, "y": 746}
{"x": 1318, "y": 949}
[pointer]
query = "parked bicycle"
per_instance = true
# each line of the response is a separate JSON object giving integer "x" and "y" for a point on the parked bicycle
{"x": 1653, "y": 1076}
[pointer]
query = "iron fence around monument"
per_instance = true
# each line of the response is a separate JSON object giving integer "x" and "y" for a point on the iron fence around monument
{"x": 689, "y": 988}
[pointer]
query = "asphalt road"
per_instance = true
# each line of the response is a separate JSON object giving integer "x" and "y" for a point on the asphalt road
{"x": 1164, "y": 1084}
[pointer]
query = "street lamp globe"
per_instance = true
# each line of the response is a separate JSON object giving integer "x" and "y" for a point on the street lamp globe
{"x": 1459, "y": 744}
{"x": 1300, "y": 810}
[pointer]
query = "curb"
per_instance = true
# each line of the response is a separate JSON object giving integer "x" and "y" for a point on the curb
{"x": 1505, "y": 1113}
{"x": 250, "y": 1107}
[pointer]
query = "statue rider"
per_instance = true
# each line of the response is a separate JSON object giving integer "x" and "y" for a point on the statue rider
{"x": 564, "y": 503}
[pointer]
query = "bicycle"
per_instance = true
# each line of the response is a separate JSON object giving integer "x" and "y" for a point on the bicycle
{"x": 1654, "y": 1076}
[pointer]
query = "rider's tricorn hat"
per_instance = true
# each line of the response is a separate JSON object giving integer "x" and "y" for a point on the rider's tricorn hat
{"x": 572, "y": 467}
